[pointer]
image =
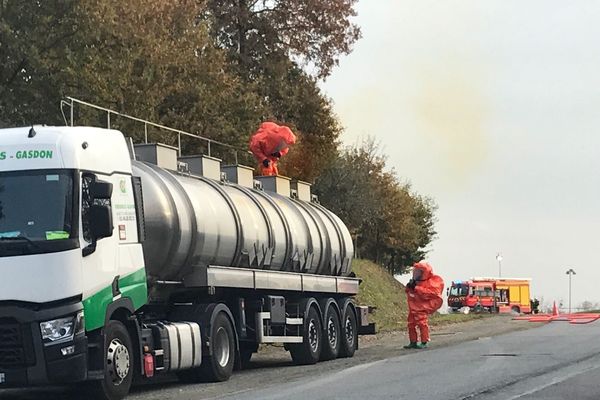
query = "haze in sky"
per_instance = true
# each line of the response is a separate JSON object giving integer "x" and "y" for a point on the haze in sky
{"x": 491, "y": 107}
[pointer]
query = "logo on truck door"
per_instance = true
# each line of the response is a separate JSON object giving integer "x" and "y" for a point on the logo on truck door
{"x": 26, "y": 154}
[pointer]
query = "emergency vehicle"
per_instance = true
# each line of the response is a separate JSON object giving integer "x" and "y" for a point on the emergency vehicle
{"x": 503, "y": 295}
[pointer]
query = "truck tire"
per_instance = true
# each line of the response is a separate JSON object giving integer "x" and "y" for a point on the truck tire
{"x": 349, "y": 337}
{"x": 309, "y": 351}
{"x": 331, "y": 334}
{"x": 217, "y": 367}
{"x": 118, "y": 364}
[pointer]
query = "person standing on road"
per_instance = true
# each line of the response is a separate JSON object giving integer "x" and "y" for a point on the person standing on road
{"x": 424, "y": 297}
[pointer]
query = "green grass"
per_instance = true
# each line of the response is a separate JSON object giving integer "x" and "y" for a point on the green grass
{"x": 447, "y": 319}
{"x": 381, "y": 290}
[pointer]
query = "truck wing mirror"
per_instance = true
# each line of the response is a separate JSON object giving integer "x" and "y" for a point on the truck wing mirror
{"x": 101, "y": 222}
{"x": 101, "y": 190}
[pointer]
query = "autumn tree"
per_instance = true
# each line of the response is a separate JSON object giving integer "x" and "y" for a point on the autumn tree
{"x": 391, "y": 224}
{"x": 258, "y": 32}
{"x": 272, "y": 45}
{"x": 152, "y": 59}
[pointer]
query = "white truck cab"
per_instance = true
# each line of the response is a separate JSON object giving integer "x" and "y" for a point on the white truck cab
{"x": 57, "y": 277}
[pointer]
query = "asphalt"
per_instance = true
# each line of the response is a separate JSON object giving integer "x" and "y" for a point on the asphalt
{"x": 556, "y": 361}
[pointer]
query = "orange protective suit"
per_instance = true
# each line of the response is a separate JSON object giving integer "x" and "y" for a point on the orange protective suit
{"x": 423, "y": 300}
{"x": 270, "y": 143}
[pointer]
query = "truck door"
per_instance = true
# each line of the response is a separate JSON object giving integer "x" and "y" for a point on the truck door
{"x": 112, "y": 265}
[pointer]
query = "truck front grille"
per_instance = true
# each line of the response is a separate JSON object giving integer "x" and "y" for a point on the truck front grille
{"x": 12, "y": 345}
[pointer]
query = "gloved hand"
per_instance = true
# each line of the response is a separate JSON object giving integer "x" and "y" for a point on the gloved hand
{"x": 266, "y": 162}
{"x": 277, "y": 154}
{"x": 411, "y": 284}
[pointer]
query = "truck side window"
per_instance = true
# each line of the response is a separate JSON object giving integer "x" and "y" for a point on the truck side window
{"x": 86, "y": 203}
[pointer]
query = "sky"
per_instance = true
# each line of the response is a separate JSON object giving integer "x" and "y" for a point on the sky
{"x": 492, "y": 108}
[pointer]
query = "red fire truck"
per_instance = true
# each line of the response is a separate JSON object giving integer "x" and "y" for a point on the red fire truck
{"x": 502, "y": 295}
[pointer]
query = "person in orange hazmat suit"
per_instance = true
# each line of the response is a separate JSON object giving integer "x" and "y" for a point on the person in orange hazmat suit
{"x": 424, "y": 296}
{"x": 269, "y": 144}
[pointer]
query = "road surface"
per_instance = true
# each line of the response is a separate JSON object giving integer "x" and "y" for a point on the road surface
{"x": 554, "y": 361}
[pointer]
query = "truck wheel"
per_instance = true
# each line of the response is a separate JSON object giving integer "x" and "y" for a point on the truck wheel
{"x": 118, "y": 364}
{"x": 349, "y": 333}
{"x": 219, "y": 366}
{"x": 309, "y": 351}
{"x": 331, "y": 335}
{"x": 515, "y": 310}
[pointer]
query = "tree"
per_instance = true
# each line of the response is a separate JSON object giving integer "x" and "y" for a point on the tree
{"x": 166, "y": 61}
{"x": 271, "y": 44}
{"x": 589, "y": 306}
{"x": 258, "y": 32}
{"x": 153, "y": 59}
{"x": 391, "y": 224}
{"x": 297, "y": 101}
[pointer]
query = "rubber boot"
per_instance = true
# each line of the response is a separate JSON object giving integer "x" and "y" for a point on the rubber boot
{"x": 412, "y": 345}
{"x": 422, "y": 345}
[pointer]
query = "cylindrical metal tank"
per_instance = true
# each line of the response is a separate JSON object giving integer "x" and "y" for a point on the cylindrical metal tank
{"x": 193, "y": 221}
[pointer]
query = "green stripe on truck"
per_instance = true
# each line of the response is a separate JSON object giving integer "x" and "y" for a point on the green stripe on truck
{"x": 132, "y": 286}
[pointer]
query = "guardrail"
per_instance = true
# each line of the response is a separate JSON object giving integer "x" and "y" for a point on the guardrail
{"x": 71, "y": 102}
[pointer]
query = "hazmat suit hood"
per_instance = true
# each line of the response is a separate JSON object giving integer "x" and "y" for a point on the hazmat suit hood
{"x": 426, "y": 297}
{"x": 423, "y": 269}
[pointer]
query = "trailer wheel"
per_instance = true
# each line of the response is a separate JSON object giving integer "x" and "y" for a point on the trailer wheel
{"x": 118, "y": 364}
{"x": 309, "y": 351}
{"x": 331, "y": 335}
{"x": 217, "y": 367}
{"x": 349, "y": 333}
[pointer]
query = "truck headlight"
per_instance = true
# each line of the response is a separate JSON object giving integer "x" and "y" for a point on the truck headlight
{"x": 62, "y": 329}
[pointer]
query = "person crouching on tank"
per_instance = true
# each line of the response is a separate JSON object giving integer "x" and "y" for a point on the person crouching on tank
{"x": 424, "y": 297}
{"x": 269, "y": 144}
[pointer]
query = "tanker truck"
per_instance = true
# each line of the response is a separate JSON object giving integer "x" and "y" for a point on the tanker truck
{"x": 123, "y": 262}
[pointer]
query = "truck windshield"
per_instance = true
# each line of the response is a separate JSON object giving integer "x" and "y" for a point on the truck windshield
{"x": 37, "y": 212}
{"x": 459, "y": 290}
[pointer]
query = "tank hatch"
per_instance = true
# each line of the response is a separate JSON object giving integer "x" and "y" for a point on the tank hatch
{"x": 278, "y": 184}
{"x": 203, "y": 165}
{"x": 240, "y": 174}
{"x": 158, "y": 154}
{"x": 302, "y": 190}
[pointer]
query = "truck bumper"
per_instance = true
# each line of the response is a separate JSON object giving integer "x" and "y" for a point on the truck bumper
{"x": 25, "y": 360}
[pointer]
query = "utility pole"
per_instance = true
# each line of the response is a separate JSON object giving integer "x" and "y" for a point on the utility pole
{"x": 570, "y": 272}
{"x": 499, "y": 258}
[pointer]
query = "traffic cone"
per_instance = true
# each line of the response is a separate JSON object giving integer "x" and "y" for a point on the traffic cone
{"x": 554, "y": 309}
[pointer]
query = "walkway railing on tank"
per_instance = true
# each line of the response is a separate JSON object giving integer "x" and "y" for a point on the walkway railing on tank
{"x": 210, "y": 143}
